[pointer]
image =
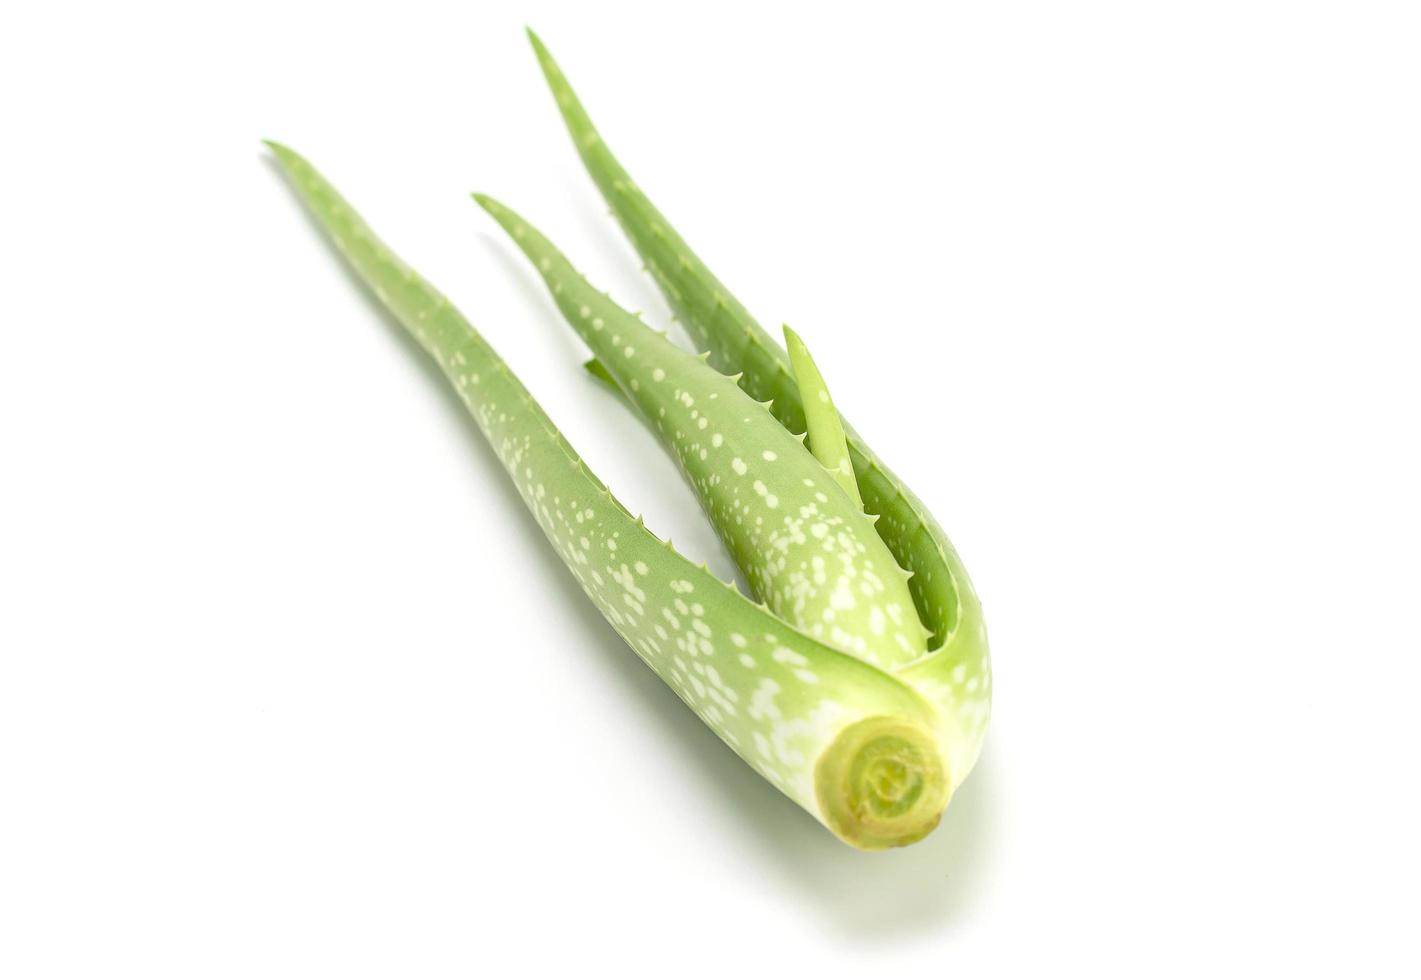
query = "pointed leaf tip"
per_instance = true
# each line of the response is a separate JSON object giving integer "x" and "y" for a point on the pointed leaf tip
{"x": 546, "y": 63}
{"x": 285, "y": 155}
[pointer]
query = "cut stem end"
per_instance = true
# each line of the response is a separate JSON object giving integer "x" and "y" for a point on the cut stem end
{"x": 881, "y": 784}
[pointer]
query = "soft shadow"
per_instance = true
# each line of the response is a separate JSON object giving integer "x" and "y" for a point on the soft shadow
{"x": 858, "y": 897}
{"x": 926, "y": 889}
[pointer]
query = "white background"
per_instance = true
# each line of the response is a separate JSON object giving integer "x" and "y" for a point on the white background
{"x": 291, "y": 687}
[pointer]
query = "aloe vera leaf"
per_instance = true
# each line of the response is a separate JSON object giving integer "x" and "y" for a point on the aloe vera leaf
{"x": 956, "y": 673}
{"x": 851, "y": 744}
{"x": 805, "y": 546}
{"x": 599, "y": 371}
{"x": 822, "y": 423}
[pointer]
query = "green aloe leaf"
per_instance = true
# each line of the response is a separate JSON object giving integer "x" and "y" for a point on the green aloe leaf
{"x": 857, "y": 747}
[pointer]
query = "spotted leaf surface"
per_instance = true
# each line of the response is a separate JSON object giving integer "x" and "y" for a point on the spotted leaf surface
{"x": 805, "y": 546}
{"x": 852, "y": 744}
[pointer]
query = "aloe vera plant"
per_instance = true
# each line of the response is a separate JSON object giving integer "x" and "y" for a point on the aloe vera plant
{"x": 857, "y": 679}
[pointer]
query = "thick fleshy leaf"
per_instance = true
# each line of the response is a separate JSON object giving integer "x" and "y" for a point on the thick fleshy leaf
{"x": 850, "y": 743}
